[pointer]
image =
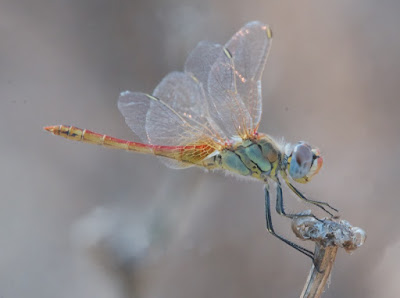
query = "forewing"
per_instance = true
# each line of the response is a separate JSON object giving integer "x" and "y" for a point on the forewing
{"x": 234, "y": 80}
{"x": 201, "y": 60}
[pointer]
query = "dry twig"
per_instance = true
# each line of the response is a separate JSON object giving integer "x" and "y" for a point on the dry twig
{"x": 328, "y": 236}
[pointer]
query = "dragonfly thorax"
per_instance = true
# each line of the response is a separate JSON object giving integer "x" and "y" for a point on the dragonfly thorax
{"x": 260, "y": 158}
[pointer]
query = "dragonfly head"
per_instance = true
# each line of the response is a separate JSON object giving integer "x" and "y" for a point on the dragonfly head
{"x": 304, "y": 162}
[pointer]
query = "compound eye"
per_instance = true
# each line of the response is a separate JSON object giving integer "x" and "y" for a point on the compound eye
{"x": 302, "y": 158}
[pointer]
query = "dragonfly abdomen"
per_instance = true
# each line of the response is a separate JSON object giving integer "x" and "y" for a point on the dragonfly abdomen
{"x": 87, "y": 136}
{"x": 190, "y": 154}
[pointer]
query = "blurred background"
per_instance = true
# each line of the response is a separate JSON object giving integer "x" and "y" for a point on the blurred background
{"x": 78, "y": 220}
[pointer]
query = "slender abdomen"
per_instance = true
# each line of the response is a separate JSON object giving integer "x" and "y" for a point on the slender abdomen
{"x": 190, "y": 154}
{"x": 87, "y": 136}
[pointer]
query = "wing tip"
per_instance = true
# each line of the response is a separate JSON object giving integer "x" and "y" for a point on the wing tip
{"x": 263, "y": 26}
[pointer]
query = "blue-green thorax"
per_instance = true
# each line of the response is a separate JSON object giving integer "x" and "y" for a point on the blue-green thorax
{"x": 260, "y": 158}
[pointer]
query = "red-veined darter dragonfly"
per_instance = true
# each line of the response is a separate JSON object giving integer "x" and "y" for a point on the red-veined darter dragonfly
{"x": 208, "y": 116}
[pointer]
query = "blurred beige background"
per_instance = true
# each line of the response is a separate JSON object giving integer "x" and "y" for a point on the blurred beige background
{"x": 82, "y": 221}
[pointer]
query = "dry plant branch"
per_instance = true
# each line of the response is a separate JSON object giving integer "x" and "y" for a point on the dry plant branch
{"x": 328, "y": 236}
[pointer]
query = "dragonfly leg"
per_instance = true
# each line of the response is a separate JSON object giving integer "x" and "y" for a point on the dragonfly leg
{"x": 319, "y": 204}
{"x": 270, "y": 228}
{"x": 280, "y": 209}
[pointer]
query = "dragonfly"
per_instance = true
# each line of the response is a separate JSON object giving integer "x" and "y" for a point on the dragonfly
{"x": 208, "y": 116}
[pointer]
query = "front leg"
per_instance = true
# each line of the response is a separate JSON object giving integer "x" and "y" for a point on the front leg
{"x": 316, "y": 203}
{"x": 280, "y": 207}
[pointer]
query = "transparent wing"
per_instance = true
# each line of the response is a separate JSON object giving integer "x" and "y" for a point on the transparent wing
{"x": 175, "y": 115}
{"x": 134, "y": 107}
{"x": 201, "y": 60}
{"x": 234, "y": 80}
{"x": 218, "y": 95}
{"x": 183, "y": 116}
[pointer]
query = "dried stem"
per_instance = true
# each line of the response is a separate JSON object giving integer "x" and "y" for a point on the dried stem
{"x": 328, "y": 236}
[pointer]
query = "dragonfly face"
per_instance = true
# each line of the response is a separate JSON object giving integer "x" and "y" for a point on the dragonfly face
{"x": 304, "y": 162}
